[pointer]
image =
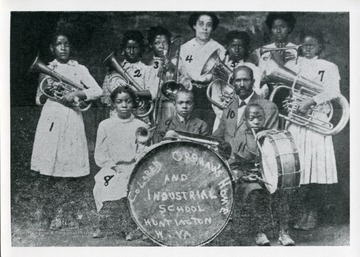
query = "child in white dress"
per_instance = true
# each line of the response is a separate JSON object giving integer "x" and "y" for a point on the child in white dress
{"x": 316, "y": 151}
{"x": 115, "y": 153}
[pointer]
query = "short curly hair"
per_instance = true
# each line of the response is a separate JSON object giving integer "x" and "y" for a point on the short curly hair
{"x": 133, "y": 35}
{"x": 288, "y": 17}
{"x": 195, "y": 16}
{"x": 243, "y": 35}
{"x": 124, "y": 89}
{"x": 156, "y": 31}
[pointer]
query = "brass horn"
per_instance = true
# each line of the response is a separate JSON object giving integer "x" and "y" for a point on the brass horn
{"x": 303, "y": 89}
{"x": 145, "y": 106}
{"x": 170, "y": 72}
{"x": 219, "y": 92}
{"x": 264, "y": 50}
{"x": 56, "y": 91}
{"x": 144, "y": 135}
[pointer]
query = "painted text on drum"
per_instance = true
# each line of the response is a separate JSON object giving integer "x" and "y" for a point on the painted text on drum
{"x": 198, "y": 161}
{"x": 177, "y": 222}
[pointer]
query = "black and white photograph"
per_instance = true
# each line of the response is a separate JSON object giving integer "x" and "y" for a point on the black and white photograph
{"x": 180, "y": 128}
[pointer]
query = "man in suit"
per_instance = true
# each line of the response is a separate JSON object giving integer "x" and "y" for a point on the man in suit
{"x": 234, "y": 128}
{"x": 232, "y": 123}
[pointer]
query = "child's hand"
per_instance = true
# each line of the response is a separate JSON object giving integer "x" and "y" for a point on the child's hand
{"x": 117, "y": 169}
{"x": 249, "y": 178}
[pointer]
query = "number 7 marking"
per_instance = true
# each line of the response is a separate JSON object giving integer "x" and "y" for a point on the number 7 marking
{"x": 322, "y": 74}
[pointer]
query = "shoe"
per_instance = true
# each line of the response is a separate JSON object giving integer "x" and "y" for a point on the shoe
{"x": 135, "y": 234}
{"x": 56, "y": 223}
{"x": 98, "y": 233}
{"x": 285, "y": 240}
{"x": 73, "y": 224}
{"x": 262, "y": 240}
{"x": 41, "y": 225}
{"x": 311, "y": 221}
{"x": 300, "y": 223}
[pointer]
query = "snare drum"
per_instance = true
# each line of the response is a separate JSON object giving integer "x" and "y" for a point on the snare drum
{"x": 181, "y": 194}
{"x": 279, "y": 160}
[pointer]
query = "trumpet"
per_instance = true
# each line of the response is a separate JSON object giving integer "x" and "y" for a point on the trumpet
{"x": 219, "y": 92}
{"x": 303, "y": 89}
{"x": 264, "y": 50}
{"x": 145, "y": 106}
{"x": 180, "y": 135}
{"x": 56, "y": 91}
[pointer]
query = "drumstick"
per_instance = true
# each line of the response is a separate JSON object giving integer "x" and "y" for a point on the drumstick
{"x": 260, "y": 179}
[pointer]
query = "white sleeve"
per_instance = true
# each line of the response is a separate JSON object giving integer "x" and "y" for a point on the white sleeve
{"x": 93, "y": 90}
{"x": 331, "y": 82}
{"x": 101, "y": 155}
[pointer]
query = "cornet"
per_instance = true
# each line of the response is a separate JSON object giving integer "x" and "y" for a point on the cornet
{"x": 56, "y": 91}
{"x": 145, "y": 106}
{"x": 264, "y": 50}
{"x": 219, "y": 92}
{"x": 303, "y": 89}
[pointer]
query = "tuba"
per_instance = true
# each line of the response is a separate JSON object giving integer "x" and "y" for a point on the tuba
{"x": 56, "y": 91}
{"x": 303, "y": 89}
{"x": 219, "y": 92}
{"x": 145, "y": 104}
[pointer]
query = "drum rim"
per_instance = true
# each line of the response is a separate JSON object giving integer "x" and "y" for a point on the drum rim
{"x": 162, "y": 144}
{"x": 287, "y": 133}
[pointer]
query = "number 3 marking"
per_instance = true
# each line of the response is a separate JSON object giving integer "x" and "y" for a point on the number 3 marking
{"x": 321, "y": 72}
{"x": 156, "y": 65}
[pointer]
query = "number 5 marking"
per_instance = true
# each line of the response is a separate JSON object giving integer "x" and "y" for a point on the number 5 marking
{"x": 321, "y": 72}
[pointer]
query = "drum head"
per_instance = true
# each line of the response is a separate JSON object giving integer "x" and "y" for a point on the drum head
{"x": 181, "y": 194}
{"x": 269, "y": 165}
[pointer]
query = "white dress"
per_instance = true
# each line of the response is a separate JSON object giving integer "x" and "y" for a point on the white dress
{"x": 115, "y": 146}
{"x": 316, "y": 152}
{"x": 60, "y": 146}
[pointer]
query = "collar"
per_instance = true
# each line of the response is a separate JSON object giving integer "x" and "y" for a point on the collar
{"x": 200, "y": 45}
{"x": 57, "y": 63}
{"x": 127, "y": 63}
{"x": 124, "y": 120}
{"x": 247, "y": 99}
{"x": 181, "y": 118}
{"x": 316, "y": 57}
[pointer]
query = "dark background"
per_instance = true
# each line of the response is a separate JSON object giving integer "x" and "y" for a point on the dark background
{"x": 94, "y": 35}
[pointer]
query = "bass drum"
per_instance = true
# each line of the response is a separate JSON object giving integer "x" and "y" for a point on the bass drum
{"x": 181, "y": 194}
{"x": 280, "y": 160}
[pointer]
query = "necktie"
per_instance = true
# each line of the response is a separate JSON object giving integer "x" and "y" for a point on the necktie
{"x": 242, "y": 103}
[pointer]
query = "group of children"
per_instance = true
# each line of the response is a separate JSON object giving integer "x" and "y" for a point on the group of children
{"x": 60, "y": 152}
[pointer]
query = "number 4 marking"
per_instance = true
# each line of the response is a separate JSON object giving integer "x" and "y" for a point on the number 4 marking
{"x": 189, "y": 58}
{"x": 321, "y": 72}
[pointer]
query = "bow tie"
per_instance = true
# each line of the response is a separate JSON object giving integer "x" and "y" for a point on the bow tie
{"x": 242, "y": 103}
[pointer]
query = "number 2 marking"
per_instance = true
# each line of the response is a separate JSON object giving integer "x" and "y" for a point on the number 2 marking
{"x": 189, "y": 58}
{"x": 137, "y": 74}
{"x": 322, "y": 74}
